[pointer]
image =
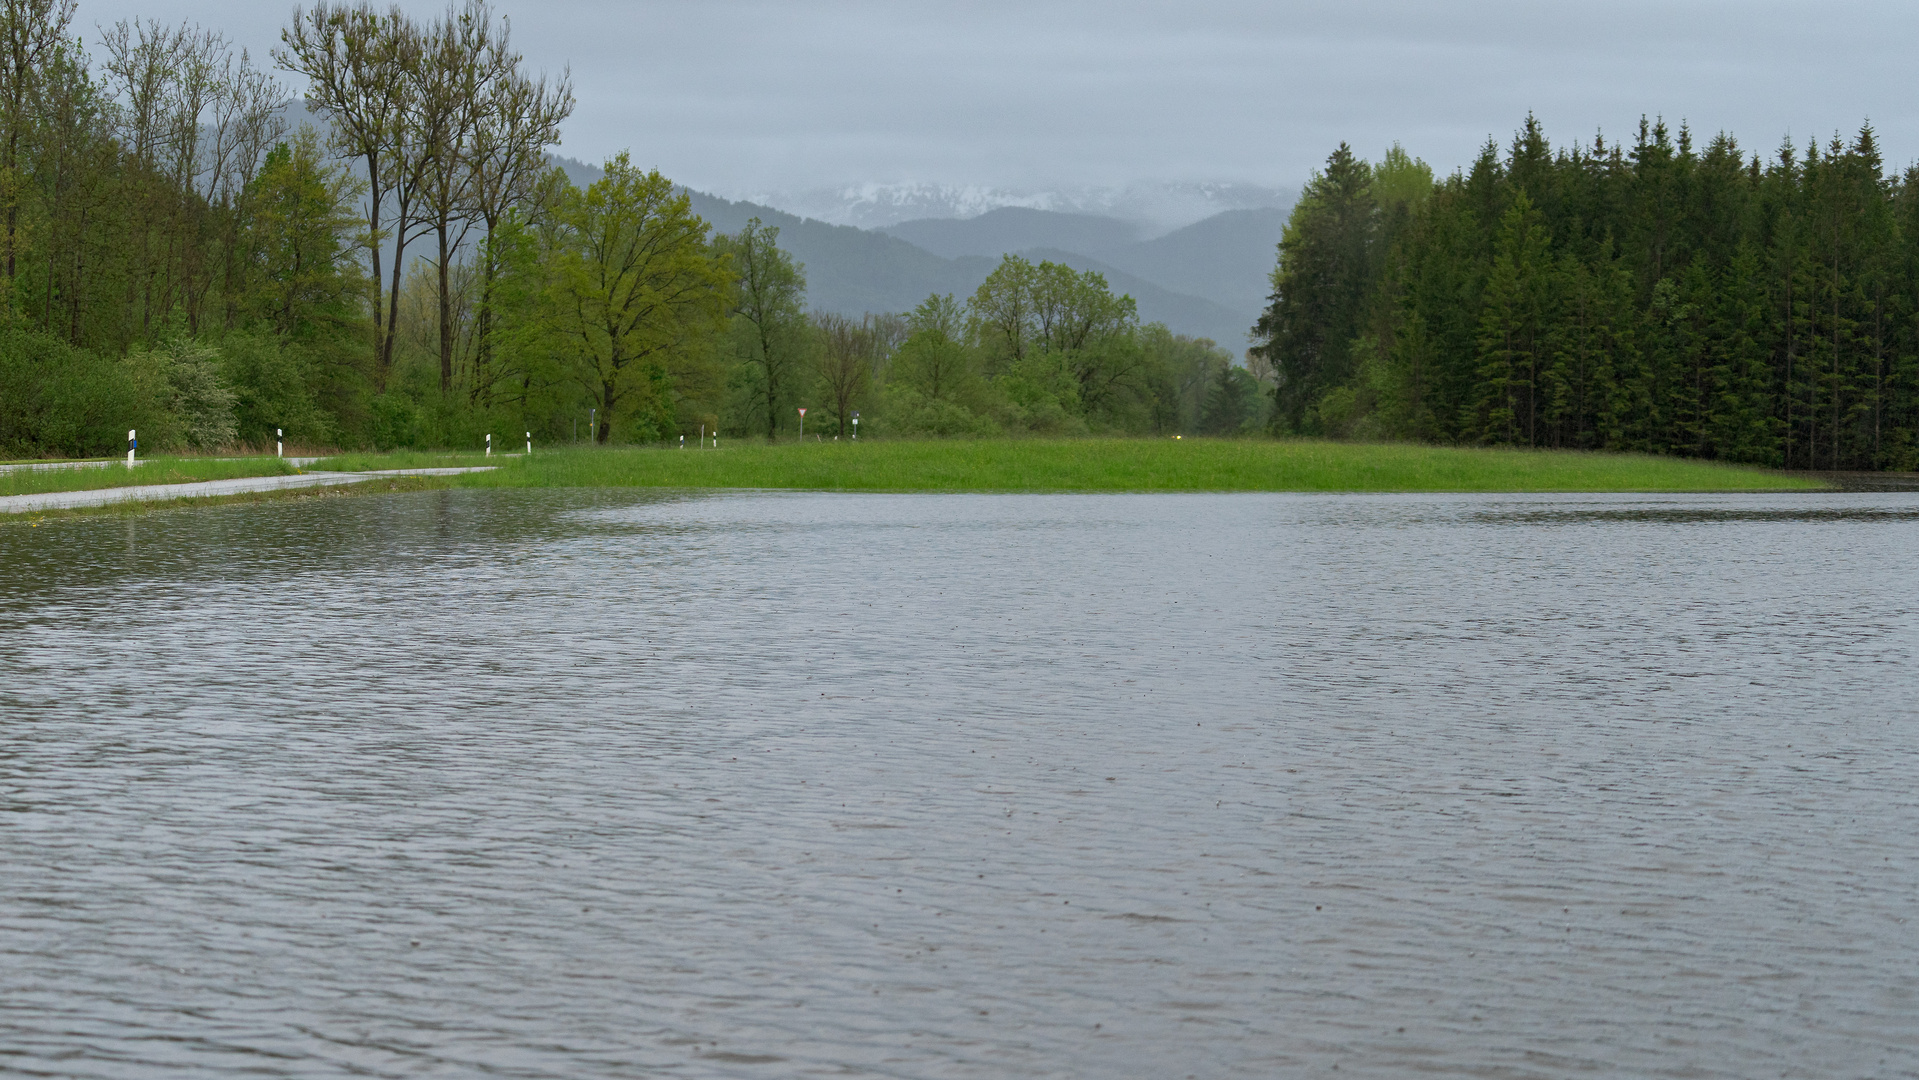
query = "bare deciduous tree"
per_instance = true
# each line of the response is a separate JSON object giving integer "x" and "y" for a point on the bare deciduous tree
{"x": 355, "y": 60}
{"x": 520, "y": 119}
{"x": 849, "y": 350}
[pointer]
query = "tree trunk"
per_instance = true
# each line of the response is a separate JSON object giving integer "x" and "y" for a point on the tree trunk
{"x": 393, "y": 299}
{"x": 373, "y": 227}
{"x": 446, "y": 317}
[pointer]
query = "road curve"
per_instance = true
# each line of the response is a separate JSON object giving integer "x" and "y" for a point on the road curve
{"x": 70, "y": 500}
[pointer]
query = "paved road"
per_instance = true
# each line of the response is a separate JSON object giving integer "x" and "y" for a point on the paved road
{"x": 67, "y": 500}
{"x": 43, "y": 466}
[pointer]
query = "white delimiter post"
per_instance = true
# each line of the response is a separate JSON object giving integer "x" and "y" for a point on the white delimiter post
{"x": 132, "y": 444}
{"x": 529, "y": 444}
{"x": 802, "y": 423}
{"x": 279, "y": 448}
{"x": 489, "y": 444}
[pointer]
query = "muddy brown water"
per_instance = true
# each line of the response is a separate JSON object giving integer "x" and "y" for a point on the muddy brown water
{"x": 537, "y": 784}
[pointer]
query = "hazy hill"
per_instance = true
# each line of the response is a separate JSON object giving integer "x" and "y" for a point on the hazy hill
{"x": 854, "y": 271}
{"x": 1226, "y": 258}
{"x": 1155, "y": 206}
{"x": 1015, "y": 228}
{"x": 850, "y": 270}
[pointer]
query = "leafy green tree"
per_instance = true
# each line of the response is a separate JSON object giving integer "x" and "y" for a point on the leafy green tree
{"x": 1002, "y": 314}
{"x": 33, "y": 34}
{"x": 1063, "y": 347}
{"x": 769, "y": 334}
{"x": 304, "y": 276}
{"x": 934, "y": 384}
{"x": 935, "y": 360}
{"x": 631, "y": 294}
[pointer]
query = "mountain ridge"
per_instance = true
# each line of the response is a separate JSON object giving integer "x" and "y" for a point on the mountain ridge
{"x": 853, "y": 271}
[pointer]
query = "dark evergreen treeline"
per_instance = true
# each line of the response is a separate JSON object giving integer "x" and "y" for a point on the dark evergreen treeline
{"x": 1653, "y": 297}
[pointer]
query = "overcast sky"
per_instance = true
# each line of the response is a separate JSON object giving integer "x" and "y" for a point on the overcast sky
{"x": 740, "y": 96}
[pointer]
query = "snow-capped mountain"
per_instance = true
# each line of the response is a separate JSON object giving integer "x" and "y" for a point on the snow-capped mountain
{"x": 1155, "y": 208}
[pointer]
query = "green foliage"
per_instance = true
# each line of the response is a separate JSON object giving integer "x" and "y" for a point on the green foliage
{"x": 1328, "y": 262}
{"x": 618, "y": 292}
{"x": 274, "y": 385}
{"x": 183, "y": 377}
{"x": 1232, "y": 404}
{"x": 1656, "y": 297}
{"x": 58, "y": 401}
{"x": 1062, "y": 350}
{"x": 304, "y": 278}
{"x": 768, "y": 335}
{"x": 421, "y": 278}
{"x": 909, "y": 412}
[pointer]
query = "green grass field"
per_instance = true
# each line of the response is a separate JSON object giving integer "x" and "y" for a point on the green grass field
{"x": 155, "y": 470}
{"x": 1094, "y": 465}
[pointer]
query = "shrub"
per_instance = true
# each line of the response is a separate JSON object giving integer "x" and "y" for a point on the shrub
{"x": 59, "y": 401}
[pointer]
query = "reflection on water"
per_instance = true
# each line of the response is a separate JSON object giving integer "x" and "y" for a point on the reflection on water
{"x": 541, "y": 784}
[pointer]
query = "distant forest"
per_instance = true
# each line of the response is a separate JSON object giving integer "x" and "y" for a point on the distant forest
{"x": 177, "y": 258}
{"x": 1654, "y": 297}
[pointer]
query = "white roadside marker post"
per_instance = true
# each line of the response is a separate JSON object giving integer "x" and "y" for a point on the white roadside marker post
{"x": 132, "y": 445}
{"x": 279, "y": 447}
{"x": 856, "y": 426}
{"x": 529, "y": 444}
{"x": 489, "y": 444}
{"x": 802, "y": 423}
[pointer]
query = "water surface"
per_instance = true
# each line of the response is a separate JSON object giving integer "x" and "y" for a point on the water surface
{"x": 547, "y": 784}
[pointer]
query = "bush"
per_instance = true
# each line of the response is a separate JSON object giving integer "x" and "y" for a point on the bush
{"x": 183, "y": 376}
{"x": 58, "y": 401}
{"x": 270, "y": 388}
{"x": 395, "y": 422}
{"x": 908, "y": 412}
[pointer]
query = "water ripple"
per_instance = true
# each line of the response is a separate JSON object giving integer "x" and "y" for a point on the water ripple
{"x": 533, "y": 784}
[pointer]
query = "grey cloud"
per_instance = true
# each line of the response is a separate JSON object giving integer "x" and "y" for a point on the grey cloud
{"x": 745, "y": 96}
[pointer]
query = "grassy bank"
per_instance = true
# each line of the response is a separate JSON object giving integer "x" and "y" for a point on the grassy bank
{"x": 1094, "y": 465}
{"x": 155, "y": 470}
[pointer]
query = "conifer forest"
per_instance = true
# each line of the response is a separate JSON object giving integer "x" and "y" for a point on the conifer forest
{"x": 1654, "y": 295}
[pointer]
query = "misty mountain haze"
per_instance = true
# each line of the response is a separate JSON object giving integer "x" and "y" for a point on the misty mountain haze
{"x": 1015, "y": 229}
{"x": 1208, "y": 279}
{"x": 1153, "y": 207}
{"x": 1224, "y": 258}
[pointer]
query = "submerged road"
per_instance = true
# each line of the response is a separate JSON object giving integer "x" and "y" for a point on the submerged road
{"x": 69, "y": 500}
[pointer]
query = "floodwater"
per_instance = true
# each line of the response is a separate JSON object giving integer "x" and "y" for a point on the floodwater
{"x": 591, "y": 784}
